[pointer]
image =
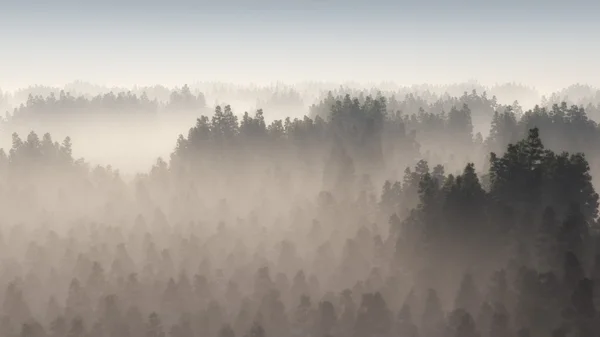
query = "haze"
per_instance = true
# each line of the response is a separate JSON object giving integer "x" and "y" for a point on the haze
{"x": 299, "y": 169}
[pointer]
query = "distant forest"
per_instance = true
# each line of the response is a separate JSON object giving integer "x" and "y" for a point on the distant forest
{"x": 379, "y": 213}
{"x": 93, "y": 98}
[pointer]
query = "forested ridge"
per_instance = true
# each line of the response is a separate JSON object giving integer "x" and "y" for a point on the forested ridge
{"x": 369, "y": 217}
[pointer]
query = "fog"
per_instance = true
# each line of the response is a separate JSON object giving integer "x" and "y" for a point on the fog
{"x": 150, "y": 118}
{"x": 299, "y": 168}
{"x": 308, "y": 209}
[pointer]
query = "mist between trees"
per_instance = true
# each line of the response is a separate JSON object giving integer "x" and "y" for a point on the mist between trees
{"x": 371, "y": 216}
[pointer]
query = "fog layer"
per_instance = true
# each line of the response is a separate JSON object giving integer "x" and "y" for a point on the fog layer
{"x": 346, "y": 212}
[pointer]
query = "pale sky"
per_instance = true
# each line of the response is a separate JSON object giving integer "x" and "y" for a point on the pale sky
{"x": 547, "y": 44}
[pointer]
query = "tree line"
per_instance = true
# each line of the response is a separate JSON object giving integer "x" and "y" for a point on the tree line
{"x": 66, "y": 104}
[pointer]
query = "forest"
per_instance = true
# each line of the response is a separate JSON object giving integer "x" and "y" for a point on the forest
{"x": 312, "y": 212}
